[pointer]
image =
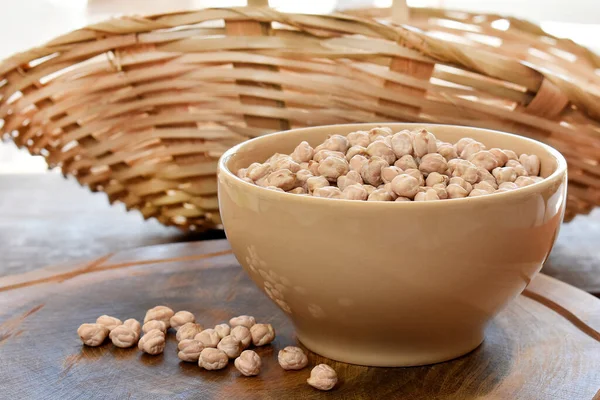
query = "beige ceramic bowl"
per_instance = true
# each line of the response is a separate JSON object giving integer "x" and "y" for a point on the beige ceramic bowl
{"x": 386, "y": 283}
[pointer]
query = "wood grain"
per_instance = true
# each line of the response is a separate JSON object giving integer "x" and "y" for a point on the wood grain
{"x": 531, "y": 351}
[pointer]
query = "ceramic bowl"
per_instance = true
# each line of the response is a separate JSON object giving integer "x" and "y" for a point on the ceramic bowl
{"x": 391, "y": 283}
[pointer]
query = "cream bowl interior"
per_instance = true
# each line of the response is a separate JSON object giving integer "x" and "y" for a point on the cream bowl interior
{"x": 386, "y": 283}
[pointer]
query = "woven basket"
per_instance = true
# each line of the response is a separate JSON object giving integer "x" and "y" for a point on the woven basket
{"x": 142, "y": 107}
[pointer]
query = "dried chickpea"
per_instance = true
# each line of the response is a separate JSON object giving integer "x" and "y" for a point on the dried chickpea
{"x": 303, "y": 152}
{"x": 516, "y": 165}
{"x": 355, "y": 192}
{"x": 329, "y": 192}
{"x": 154, "y": 324}
{"x": 212, "y": 359}
{"x": 440, "y": 189}
{"x": 262, "y": 334}
{"x": 283, "y": 179}
{"x": 244, "y": 320}
{"x": 242, "y": 173}
{"x": 357, "y": 162}
{"x": 484, "y": 159}
{"x": 380, "y": 195}
{"x": 323, "y": 154}
{"x": 455, "y": 191}
{"x": 275, "y": 157}
{"x": 159, "y": 313}
{"x": 470, "y": 149}
{"x": 435, "y": 178}
{"x": 523, "y": 181}
{"x": 257, "y": 171}
{"x": 402, "y": 199}
{"x": 134, "y": 324}
{"x": 371, "y": 171}
{"x": 335, "y": 143}
{"x": 531, "y": 163}
{"x": 406, "y": 162}
{"x": 466, "y": 170}
{"x": 462, "y": 143}
{"x": 188, "y": 331}
{"x": 275, "y": 188}
{"x": 389, "y": 173}
{"x": 388, "y": 188}
{"x": 428, "y": 195}
{"x": 504, "y": 174}
{"x": 332, "y": 168}
{"x": 285, "y": 163}
{"x": 478, "y": 192}
{"x": 369, "y": 188}
{"x": 536, "y": 179}
{"x": 415, "y": 173}
{"x": 447, "y": 151}
{"x": 484, "y": 185}
{"x": 508, "y": 186}
{"x": 511, "y": 155}
{"x": 351, "y": 178}
{"x": 500, "y": 155}
{"x": 230, "y": 346}
{"x": 123, "y": 336}
{"x": 402, "y": 143}
{"x": 222, "y": 330}
{"x": 248, "y": 363}
{"x": 433, "y": 162}
{"x": 374, "y": 133}
{"x": 405, "y": 186}
{"x": 483, "y": 175}
{"x": 92, "y": 334}
{"x": 322, "y": 377}
{"x": 313, "y": 167}
{"x": 292, "y": 358}
{"x": 208, "y": 338}
{"x": 262, "y": 182}
{"x": 302, "y": 176}
{"x": 242, "y": 334}
{"x": 356, "y": 150}
{"x": 180, "y": 318}
{"x": 382, "y": 150}
{"x": 189, "y": 350}
{"x": 316, "y": 182}
{"x": 152, "y": 342}
{"x": 298, "y": 190}
{"x": 461, "y": 182}
{"x": 109, "y": 322}
{"x": 424, "y": 142}
{"x": 359, "y": 138}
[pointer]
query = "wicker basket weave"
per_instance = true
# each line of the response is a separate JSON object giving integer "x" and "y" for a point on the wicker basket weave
{"x": 142, "y": 107}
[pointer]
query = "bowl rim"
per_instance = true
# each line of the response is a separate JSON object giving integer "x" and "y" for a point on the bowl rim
{"x": 561, "y": 169}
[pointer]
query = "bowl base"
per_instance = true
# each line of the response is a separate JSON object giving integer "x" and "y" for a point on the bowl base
{"x": 370, "y": 358}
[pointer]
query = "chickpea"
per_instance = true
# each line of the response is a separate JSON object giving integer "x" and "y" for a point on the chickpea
{"x": 402, "y": 199}
{"x": 242, "y": 334}
{"x": 500, "y": 155}
{"x": 383, "y": 150}
{"x": 355, "y": 192}
{"x": 351, "y": 178}
{"x": 322, "y": 377}
{"x": 222, "y": 330}
{"x": 462, "y": 143}
{"x": 531, "y": 163}
{"x": 389, "y": 173}
{"x": 447, "y": 151}
{"x": 380, "y": 195}
{"x": 160, "y": 313}
{"x": 467, "y": 171}
{"x": 374, "y": 133}
{"x": 302, "y": 176}
{"x": 248, "y": 363}
{"x": 440, "y": 189}
{"x": 109, "y": 322}
{"x": 316, "y": 182}
{"x": 356, "y": 150}
{"x": 134, "y": 325}
{"x": 283, "y": 179}
{"x": 509, "y": 186}
{"x": 313, "y": 167}
{"x": 523, "y": 181}
{"x": 428, "y": 195}
{"x": 461, "y": 182}
{"x": 433, "y": 162}
{"x": 511, "y": 155}
{"x": 154, "y": 324}
{"x": 478, "y": 192}
{"x": 456, "y": 191}
{"x": 504, "y": 174}
{"x": 285, "y": 163}
{"x": 303, "y": 152}
{"x": 208, "y": 338}
{"x": 359, "y": 138}
{"x": 369, "y": 188}
{"x": 485, "y": 175}
{"x": 357, "y": 162}
{"x": 180, "y": 318}
{"x": 212, "y": 359}
{"x": 262, "y": 334}
{"x": 189, "y": 350}
{"x": 406, "y": 162}
{"x": 188, "y": 331}
{"x": 415, "y": 173}
{"x": 298, "y": 190}
{"x": 230, "y": 346}
{"x": 484, "y": 159}
{"x": 92, "y": 334}
{"x": 405, "y": 186}
{"x": 292, "y": 358}
{"x": 485, "y": 186}
{"x": 335, "y": 143}
{"x": 257, "y": 171}
{"x": 424, "y": 142}
{"x": 516, "y": 165}
{"x": 470, "y": 149}
{"x": 330, "y": 192}
{"x": 402, "y": 144}
{"x": 153, "y": 342}
{"x": 371, "y": 171}
{"x": 123, "y": 336}
{"x": 242, "y": 173}
{"x": 323, "y": 154}
{"x": 333, "y": 167}
{"x": 435, "y": 178}
{"x": 244, "y": 320}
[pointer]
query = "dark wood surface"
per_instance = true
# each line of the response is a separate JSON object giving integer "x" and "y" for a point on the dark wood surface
{"x": 46, "y": 220}
{"x": 545, "y": 345}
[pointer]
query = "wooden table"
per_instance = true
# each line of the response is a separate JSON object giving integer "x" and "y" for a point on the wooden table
{"x": 46, "y": 220}
{"x": 545, "y": 345}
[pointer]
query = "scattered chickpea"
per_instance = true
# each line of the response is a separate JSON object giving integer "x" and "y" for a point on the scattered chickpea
{"x": 153, "y": 342}
{"x": 222, "y": 330}
{"x": 160, "y": 313}
{"x": 154, "y": 324}
{"x": 123, "y": 336}
{"x": 231, "y": 346}
{"x": 134, "y": 324}
{"x": 248, "y": 363}
{"x": 188, "y": 331}
{"x": 213, "y": 359}
{"x": 242, "y": 334}
{"x": 208, "y": 338}
{"x": 109, "y": 322}
{"x": 292, "y": 358}
{"x": 92, "y": 334}
{"x": 262, "y": 334}
{"x": 189, "y": 350}
{"x": 181, "y": 318}
{"x": 322, "y": 377}
{"x": 244, "y": 320}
